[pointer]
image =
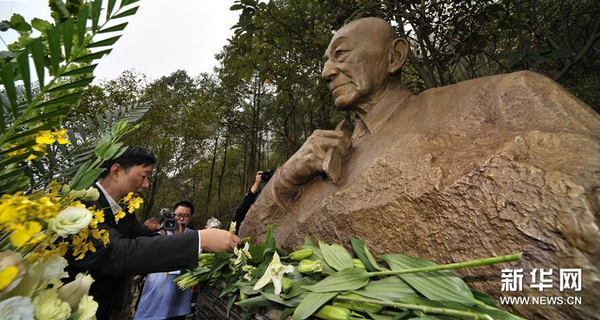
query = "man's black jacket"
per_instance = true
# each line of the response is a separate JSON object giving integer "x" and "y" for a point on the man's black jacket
{"x": 133, "y": 250}
{"x": 240, "y": 213}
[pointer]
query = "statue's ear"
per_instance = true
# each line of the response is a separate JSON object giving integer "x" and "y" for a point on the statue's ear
{"x": 398, "y": 52}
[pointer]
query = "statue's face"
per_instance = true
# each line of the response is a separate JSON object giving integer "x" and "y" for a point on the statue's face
{"x": 355, "y": 65}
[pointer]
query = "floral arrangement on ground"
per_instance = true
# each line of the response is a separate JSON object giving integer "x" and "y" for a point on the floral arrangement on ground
{"x": 324, "y": 281}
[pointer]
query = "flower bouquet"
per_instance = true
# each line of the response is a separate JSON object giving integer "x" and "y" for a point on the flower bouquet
{"x": 324, "y": 281}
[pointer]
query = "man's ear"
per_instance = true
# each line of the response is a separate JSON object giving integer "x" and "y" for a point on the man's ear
{"x": 114, "y": 171}
{"x": 398, "y": 52}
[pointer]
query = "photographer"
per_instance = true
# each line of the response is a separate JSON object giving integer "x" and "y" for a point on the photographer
{"x": 159, "y": 288}
{"x": 244, "y": 206}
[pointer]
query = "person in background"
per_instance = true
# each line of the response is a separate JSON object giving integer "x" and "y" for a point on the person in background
{"x": 240, "y": 213}
{"x": 161, "y": 298}
{"x": 152, "y": 223}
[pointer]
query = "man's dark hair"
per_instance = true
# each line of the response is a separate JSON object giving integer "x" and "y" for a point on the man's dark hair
{"x": 186, "y": 204}
{"x": 152, "y": 220}
{"x": 133, "y": 156}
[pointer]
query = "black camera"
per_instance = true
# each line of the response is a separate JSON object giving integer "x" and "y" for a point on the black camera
{"x": 266, "y": 175}
{"x": 167, "y": 218}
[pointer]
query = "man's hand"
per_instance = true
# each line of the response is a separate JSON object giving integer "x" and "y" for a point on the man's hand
{"x": 217, "y": 240}
{"x": 307, "y": 162}
{"x": 257, "y": 181}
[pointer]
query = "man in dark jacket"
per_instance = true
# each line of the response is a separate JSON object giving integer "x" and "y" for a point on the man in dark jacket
{"x": 133, "y": 247}
{"x": 249, "y": 198}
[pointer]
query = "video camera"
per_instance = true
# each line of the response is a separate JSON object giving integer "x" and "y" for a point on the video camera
{"x": 168, "y": 221}
{"x": 266, "y": 175}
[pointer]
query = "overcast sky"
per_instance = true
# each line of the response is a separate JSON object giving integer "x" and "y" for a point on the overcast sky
{"x": 162, "y": 37}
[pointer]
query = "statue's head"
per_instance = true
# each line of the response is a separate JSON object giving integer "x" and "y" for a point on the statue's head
{"x": 363, "y": 59}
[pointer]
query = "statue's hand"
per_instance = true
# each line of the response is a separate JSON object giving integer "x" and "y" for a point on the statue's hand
{"x": 307, "y": 162}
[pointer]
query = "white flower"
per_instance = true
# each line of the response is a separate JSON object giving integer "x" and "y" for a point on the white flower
{"x": 70, "y": 221}
{"x": 49, "y": 306}
{"x": 91, "y": 194}
{"x": 16, "y": 308}
{"x": 274, "y": 272}
{"x": 241, "y": 253}
{"x": 248, "y": 269}
{"x": 53, "y": 269}
{"x": 87, "y": 308}
{"x": 72, "y": 292}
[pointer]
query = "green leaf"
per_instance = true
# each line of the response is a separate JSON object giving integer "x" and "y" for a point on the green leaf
{"x": 9, "y": 86}
{"x": 82, "y": 18}
{"x": 53, "y": 35}
{"x": 109, "y": 8}
{"x": 93, "y": 56}
{"x": 103, "y": 43}
{"x": 23, "y": 61}
{"x": 96, "y": 8}
{"x": 260, "y": 301}
{"x": 230, "y": 302}
{"x": 75, "y": 84}
{"x": 127, "y": 2}
{"x": 82, "y": 70}
{"x": 387, "y": 289}
{"x": 294, "y": 302}
{"x": 127, "y": 13}
{"x": 118, "y": 27}
{"x": 317, "y": 255}
{"x": 47, "y": 115}
{"x": 346, "y": 280}
{"x": 37, "y": 52}
{"x": 23, "y": 145}
{"x": 18, "y": 23}
{"x": 13, "y": 173}
{"x": 111, "y": 151}
{"x": 29, "y": 132}
{"x": 336, "y": 256}
{"x": 67, "y": 31}
{"x": 438, "y": 286}
{"x": 87, "y": 179}
{"x": 286, "y": 312}
{"x": 297, "y": 289}
{"x": 362, "y": 252}
{"x": 63, "y": 99}
{"x": 40, "y": 25}
{"x": 311, "y": 303}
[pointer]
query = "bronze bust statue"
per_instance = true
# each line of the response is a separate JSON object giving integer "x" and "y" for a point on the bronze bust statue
{"x": 490, "y": 166}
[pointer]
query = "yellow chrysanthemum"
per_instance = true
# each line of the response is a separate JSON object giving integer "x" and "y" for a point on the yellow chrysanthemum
{"x": 7, "y": 275}
{"x": 23, "y": 232}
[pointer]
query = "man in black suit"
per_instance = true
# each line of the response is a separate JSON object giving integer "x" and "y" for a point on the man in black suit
{"x": 133, "y": 247}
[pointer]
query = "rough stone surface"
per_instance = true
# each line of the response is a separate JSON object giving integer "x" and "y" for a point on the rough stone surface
{"x": 486, "y": 167}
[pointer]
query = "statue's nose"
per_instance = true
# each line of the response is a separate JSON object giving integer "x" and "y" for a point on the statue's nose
{"x": 329, "y": 71}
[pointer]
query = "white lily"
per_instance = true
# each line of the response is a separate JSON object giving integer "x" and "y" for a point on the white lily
{"x": 274, "y": 272}
{"x": 241, "y": 253}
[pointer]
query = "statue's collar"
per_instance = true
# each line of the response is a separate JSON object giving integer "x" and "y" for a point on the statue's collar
{"x": 376, "y": 114}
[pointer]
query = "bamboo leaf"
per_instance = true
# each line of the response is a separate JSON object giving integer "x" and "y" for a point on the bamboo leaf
{"x": 118, "y": 27}
{"x": 82, "y": 70}
{"x": 103, "y": 43}
{"x": 23, "y": 145}
{"x": 438, "y": 285}
{"x": 67, "y": 31}
{"x": 93, "y": 56}
{"x": 387, "y": 289}
{"x": 37, "y": 52}
{"x": 109, "y": 8}
{"x": 336, "y": 256}
{"x": 16, "y": 172}
{"x": 63, "y": 99}
{"x": 14, "y": 159}
{"x": 47, "y": 115}
{"x": 362, "y": 252}
{"x": 9, "y": 86}
{"x": 53, "y": 36}
{"x": 82, "y": 18}
{"x": 127, "y": 2}
{"x": 23, "y": 61}
{"x": 127, "y": 13}
{"x": 96, "y": 8}
{"x": 75, "y": 84}
{"x": 29, "y": 132}
{"x": 345, "y": 280}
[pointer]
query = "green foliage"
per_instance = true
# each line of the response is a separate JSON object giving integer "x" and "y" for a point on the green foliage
{"x": 39, "y": 106}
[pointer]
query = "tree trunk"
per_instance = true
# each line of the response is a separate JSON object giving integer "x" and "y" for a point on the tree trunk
{"x": 212, "y": 171}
